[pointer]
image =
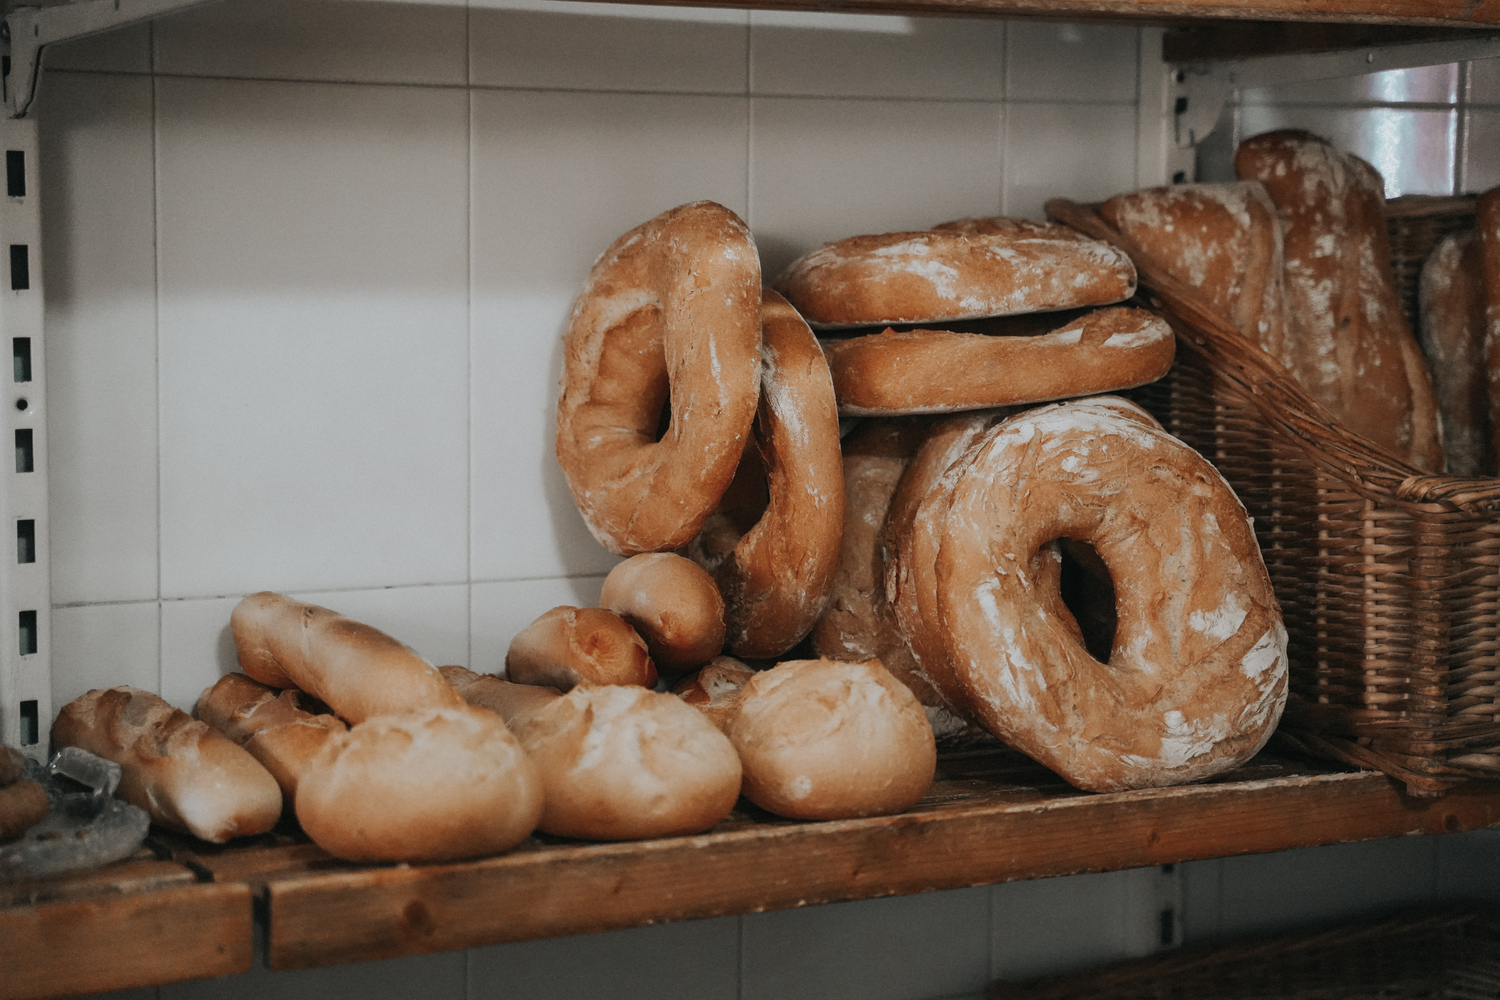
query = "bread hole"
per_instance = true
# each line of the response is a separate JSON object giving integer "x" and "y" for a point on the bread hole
{"x": 1089, "y": 593}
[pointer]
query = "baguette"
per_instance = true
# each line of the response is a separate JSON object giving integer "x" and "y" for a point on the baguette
{"x": 276, "y": 727}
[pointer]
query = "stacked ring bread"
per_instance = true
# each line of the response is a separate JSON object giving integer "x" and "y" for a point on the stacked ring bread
{"x": 1197, "y": 677}
{"x": 669, "y": 315}
{"x": 184, "y": 773}
{"x": 775, "y": 576}
{"x": 1347, "y": 341}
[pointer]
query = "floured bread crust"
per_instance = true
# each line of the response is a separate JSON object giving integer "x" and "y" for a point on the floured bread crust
{"x": 1450, "y": 303}
{"x": 568, "y": 646}
{"x": 280, "y": 729}
{"x": 1348, "y": 342}
{"x": 1487, "y": 213}
{"x": 938, "y": 371}
{"x": 715, "y": 689}
{"x": 954, "y": 274}
{"x": 1197, "y": 678}
{"x": 824, "y": 740}
{"x": 673, "y": 603}
{"x": 669, "y": 313}
{"x": 1222, "y": 239}
{"x": 775, "y": 576}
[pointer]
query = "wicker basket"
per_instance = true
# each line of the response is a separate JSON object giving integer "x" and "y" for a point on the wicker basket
{"x": 1452, "y": 953}
{"x": 1389, "y": 580}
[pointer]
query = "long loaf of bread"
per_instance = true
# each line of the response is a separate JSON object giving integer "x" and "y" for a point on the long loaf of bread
{"x": 274, "y": 726}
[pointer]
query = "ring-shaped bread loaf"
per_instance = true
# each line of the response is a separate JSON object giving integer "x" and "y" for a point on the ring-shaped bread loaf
{"x": 940, "y": 371}
{"x": 671, "y": 311}
{"x": 776, "y": 576}
{"x": 966, "y": 272}
{"x": 1197, "y": 677}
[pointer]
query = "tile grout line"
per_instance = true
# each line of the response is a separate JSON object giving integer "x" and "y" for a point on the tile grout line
{"x": 469, "y": 326}
{"x": 156, "y": 336}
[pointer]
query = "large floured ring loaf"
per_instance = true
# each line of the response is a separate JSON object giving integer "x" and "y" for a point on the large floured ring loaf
{"x": 776, "y": 576}
{"x": 954, "y": 274}
{"x": 670, "y": 312}
{"x": 939, "y": 371}
{"x": 1197, "y": 677}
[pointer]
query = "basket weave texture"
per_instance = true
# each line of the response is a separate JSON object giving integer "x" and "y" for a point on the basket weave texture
{"x": 1389, "y": 579}
{"x": 1452, "y": 953}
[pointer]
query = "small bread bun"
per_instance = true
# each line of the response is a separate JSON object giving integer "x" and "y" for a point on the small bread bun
{"x": 23, "y": 804}
{"x": 715, "y": 689}
{"x": 673, "y": 603}
{"x": 624, "y": 763}
{"x": 12, "y": 765}
{"x": 569, "y": 646}
{"x": 820, "y": 739}
{"x": 507, "y": 700}
{"x": 436, "y": 785}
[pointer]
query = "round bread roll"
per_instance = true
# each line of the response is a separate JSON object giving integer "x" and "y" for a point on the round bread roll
{"x": 776, "y": 575}
{"x": 1197, "y": 678}
{"x": 624, "y": 763}
{"x": 568, "y": 646}
{"x": 968, "y": 272}
{"x": 669, "y": 315}
{"x": 820, "y": 739}
{"x": 440, "y": 784}
{"x": 715, "y": 689}
{"x": 356, "y": 670}
{"x": 673, "y": 603}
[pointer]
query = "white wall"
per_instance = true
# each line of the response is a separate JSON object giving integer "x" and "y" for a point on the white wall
{"x": 307, "y": 265}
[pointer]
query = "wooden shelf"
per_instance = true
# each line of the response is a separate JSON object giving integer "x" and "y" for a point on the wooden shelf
{"x": 992, "y": 816}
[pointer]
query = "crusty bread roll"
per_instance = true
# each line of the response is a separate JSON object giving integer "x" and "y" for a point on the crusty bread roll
{"x": 23, "y": 804}
{"x": 356, "y": 670}
{"x": 1487, "y": 220}
{"x": 568, "y": 646}
{"x": 279, "y": 728}
{"x": 508, "y": 700}
{"x": 1347, "y": 342}
{"x": 12, "y": 765}
{"x": 673, "y": 603}
{"x": 821, "y": 739}
{"x": 184, "y": 773}
{"x": 624, "y": 763}
{"x": 438, "y": 784}
{"x": 1450, "y": 306}
{"x": 715, "y": 689}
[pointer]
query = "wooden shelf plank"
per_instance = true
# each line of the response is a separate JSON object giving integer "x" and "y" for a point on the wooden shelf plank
{"x": 976, "y": 828}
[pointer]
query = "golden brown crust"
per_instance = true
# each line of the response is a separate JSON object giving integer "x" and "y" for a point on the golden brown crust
{"x": 622, "y": 763}
{"x": 673, "y": 603}
{"x": 1487, "y": 212}
{"x": 12, "y": 765}
{"x": 1198, "y": 675}
{"x": 643, "y": 334}
{"x": 356, "y": 670}
{"x": 821, "y": 739}
{"x": 716, "y": 688}
{"x": 1222, "y": 239}
{"x": 1348, "y": 342}
{"x": 1450, "y": 296}
{"x": 23, "y": 804}
{"x": 953, "y": 274}
{"x": 276, "y": 727}
{"x": 185, "y": 774}
{"x": 508, "y": 700}
{"x": 938, "y": 371}
{"x": 775, "y": 576}
{"x": 569, "y": 646}
{"x": 439, "y": 784}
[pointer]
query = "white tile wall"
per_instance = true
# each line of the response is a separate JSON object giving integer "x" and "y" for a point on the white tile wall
{"x": 308, "y": 262}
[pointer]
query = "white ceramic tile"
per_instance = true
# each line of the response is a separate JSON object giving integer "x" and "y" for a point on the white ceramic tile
{"x": 1468, "y": 865}
{"x": 500, "y": 610}
{"x": 103, "y": 646}
{"x": 197, "y": 648}
{"x": 1054, "y": 925}
{"x": 867, "y": 55}
{"x": 100, "y": 286}
{"x": 314, "y": 344}
{"x": 1075, "y": 151}
{"x": 556, "y": 178}
{"x": 825, "y": 169}
{"x": 1202, "y": 889}
{"x": 432, "y": 977}
{"x": 1423, "y": 84}
{"x": 1482, "y": 169}
{"x": 349, "y": 40}
{"x": 691, "y": 960}
{"x": 434, "y": 621}
{"x": 901, "y": 948}
{"x": 1484, "y": 81}
{"x": 123, "y": 50}
{"x": 605, "y": 46}
{"x": 1272, "y": 892}
{"x": 1071, "y": 62}
{"x": 1413, "y": 150}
